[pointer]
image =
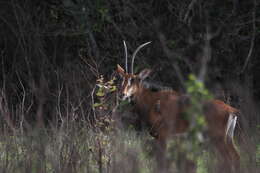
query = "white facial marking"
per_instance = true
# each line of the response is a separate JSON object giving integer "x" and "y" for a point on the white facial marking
{"x": 128, "y": 91}
{"x": 129, "y": 82}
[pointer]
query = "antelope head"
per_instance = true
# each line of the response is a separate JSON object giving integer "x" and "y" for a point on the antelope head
{"x": 131, "y": 82}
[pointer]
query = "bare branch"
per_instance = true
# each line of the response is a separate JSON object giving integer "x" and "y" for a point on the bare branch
{"x": 206, "y": 55}
{"x": 252, "y": 44}
{"x": 93, "y": 102}
{"x": 190, "y": 7}
{"x": 170, "y": 54}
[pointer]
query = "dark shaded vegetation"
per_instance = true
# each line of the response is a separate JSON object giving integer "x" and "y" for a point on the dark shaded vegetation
{"x": 52, "y": 53}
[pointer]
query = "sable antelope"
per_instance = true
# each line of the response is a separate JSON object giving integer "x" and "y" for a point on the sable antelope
{"x": 162, "y": 111}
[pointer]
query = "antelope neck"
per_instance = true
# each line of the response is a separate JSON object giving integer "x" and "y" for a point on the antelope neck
{"x": 145, "y": 98}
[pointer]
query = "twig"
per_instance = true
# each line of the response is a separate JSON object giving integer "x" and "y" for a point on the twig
{"x": 91, "y": 68}
{"x": 192, "y": 3}
{"x": 5, "y": 112}
{"x": 252, "y": 44}
{"x": 59, "y": 103}
{"x": 169, "y": 54}
{"x": 23, "y": 102}
{"x": 206, "y": 55}
{"x": 93, "y": 102}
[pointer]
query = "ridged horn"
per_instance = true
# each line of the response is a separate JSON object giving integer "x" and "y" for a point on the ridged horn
{"x": 126, "y": 68}
{"x": 134, "y": 55}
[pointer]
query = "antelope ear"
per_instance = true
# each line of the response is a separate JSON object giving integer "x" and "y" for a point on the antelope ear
{"x": 120, "y": 70}
{"x": 144, "y": 73}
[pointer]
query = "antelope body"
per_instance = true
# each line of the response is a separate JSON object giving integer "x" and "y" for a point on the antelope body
{"x": 163, "y": 111}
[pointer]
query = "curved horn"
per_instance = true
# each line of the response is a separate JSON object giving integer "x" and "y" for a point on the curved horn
{"x": 134, "y": 55}
{"x": 126, "y": 68}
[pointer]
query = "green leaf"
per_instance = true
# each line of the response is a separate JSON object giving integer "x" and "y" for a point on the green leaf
{"x": 192, "y": 77}
{"x": 100, "y": 92}
{"x": 113, "y": 89}
{"x": 111, "y": 82}
{"x": 97, "y": 104}
{"x": 201, "y": 120}
{"x": 123, "y": 103}
{"x": 190, "y": 89}
{"x": 199, "y": 84}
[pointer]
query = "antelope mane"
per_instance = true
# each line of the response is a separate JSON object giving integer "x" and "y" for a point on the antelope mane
{"x": 155, "y": 87}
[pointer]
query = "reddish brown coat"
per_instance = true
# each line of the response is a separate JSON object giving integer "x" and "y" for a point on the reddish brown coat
{"x": 163, "y": 111}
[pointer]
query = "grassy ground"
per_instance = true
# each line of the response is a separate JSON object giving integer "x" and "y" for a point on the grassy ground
{"x": 81, "y": 149}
